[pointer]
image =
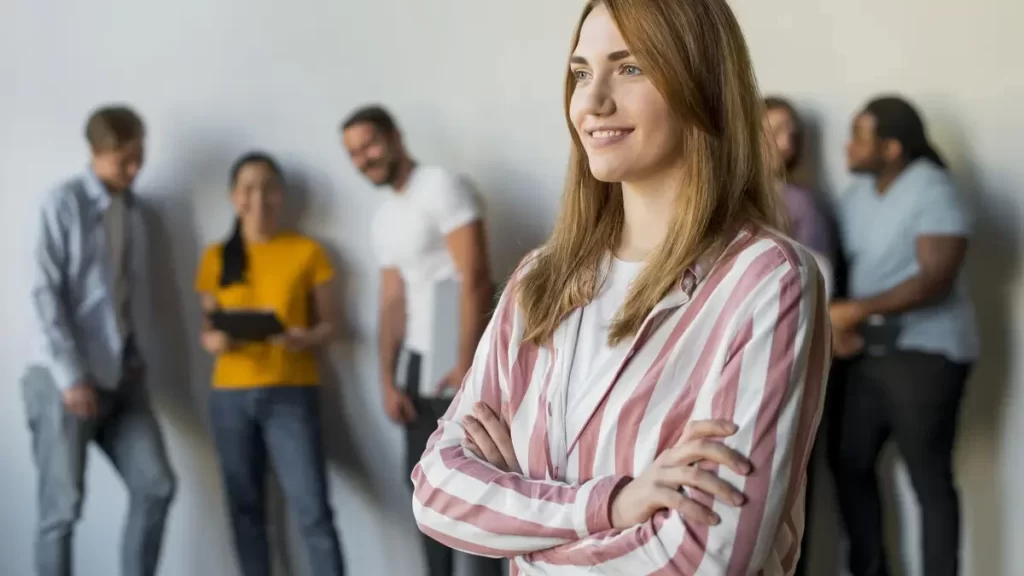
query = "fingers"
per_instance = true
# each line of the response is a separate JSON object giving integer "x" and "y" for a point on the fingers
{"x": 468, "y": 444}
{"x": 847, "y": 344}
{"x": 694, "y": 510}
{"x": 714, "y": 428}
{"x": 83, "y": 406}
{"x": 479, "y": 435}
{"x": 711, "y": 450}
{"x": 497, "y": 431}
{"x": 671, "y": 499}
{"x": 395, "y": 416}
{"x": 708, "y": 482}
{"x": 400, "y": 408}
{"x": 394, "y": 412}
{"x": 408, "y": 409}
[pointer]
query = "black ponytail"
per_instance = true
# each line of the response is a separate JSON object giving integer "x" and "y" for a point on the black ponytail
{"x": 234, "y": 260}
{"x": 233, "y": 257}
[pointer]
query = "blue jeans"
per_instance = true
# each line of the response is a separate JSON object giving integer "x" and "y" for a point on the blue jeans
{"x": 127, "y": 432}
{"x": 281, "y": 422}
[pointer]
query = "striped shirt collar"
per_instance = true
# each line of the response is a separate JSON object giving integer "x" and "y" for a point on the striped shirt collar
{"x": 699, "y": 271}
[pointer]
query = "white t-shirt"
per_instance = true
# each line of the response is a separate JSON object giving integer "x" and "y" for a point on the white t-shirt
{"x": 594, "y": 360}
{"x": 408, "y": 233}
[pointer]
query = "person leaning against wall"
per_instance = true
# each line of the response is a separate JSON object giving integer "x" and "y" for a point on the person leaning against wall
{"x": 265, "y": 399}
{"x": 809, "y": 222}
{"x": 908, "y": 329}
{"x": 428, "y": 231}
{"x": 88, "y": 290}
{"x": 811, "y": 225}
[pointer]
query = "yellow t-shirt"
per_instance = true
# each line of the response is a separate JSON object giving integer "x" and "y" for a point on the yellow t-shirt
{"x": 280, "y": 276}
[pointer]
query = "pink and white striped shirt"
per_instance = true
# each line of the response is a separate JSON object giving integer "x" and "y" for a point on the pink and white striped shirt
{"x": 748, "y": 341}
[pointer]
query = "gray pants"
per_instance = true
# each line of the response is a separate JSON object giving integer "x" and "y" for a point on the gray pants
{"x": 128, "y": 433}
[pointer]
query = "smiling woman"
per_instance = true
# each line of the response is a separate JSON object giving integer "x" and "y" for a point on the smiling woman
{"x": 646, "y": 395}
{"x": 264, "y": 405}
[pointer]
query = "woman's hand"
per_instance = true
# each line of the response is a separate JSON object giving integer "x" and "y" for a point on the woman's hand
{"x": 660, "y": 486}
{"x": 296, "y": 339}
{"x": 488, "y": 438}
{"x": 215, "y": 342}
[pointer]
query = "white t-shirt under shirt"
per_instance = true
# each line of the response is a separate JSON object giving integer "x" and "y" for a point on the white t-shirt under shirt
{"x": 408, "y": 233}
{"x": 594, "y": 360}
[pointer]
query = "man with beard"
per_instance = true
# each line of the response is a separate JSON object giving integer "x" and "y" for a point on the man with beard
{"x": 428, "y": 232}
{"x": 910, "y": 329}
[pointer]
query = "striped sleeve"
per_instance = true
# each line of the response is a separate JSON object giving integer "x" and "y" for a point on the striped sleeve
{"x": 771, "y": 386}
{"x": 469, "y": 505}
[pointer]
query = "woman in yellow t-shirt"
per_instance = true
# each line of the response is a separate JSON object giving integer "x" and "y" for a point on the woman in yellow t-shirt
{"x": 264, "y": 402}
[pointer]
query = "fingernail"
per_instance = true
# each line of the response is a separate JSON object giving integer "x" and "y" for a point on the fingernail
{"x": 715, "y": 519}
{"x": 737, "y": 499}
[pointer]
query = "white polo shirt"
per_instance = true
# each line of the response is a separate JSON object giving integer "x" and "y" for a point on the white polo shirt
{"x": 408, "y": 233}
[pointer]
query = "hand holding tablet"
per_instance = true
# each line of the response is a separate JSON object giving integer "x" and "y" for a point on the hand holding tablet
{"x": 247, "y": 325}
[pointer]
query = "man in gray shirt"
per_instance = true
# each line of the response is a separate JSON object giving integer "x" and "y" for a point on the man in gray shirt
{"x": 88, "y": 384}
{"x": 907, "y": 331}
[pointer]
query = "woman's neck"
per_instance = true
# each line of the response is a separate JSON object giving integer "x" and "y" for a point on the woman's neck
{"x": 649, "y": 208}
{"x": 256, "y": 234}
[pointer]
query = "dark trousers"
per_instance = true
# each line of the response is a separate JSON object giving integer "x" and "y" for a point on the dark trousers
{"x": 281, "y": 423}
{"x": 803, "y": 564}
{"x": 915, "y": 398}
{"x": 128, "y": 434}
{"x": 815, "y": 466}
{"x": 440, "y": 558}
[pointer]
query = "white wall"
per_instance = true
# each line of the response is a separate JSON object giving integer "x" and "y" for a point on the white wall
{"x": 476, "y": 87}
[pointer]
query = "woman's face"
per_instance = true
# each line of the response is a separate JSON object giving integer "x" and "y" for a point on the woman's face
{"x": 626, "y": 126}
{"x": 257, "y": 196}
{"x": 783, "y": 129}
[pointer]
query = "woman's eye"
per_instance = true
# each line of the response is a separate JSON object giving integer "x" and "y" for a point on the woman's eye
{"x": 580, "y": 75}
{"x": 631, "y": 70}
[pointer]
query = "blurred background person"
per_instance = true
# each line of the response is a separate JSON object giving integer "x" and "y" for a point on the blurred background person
{"x": 90, "y": 276}
{"x": 905, "y": 231}
{"x": 427, "y": 233}
{"x": 265, "y": 398}
{"x": 810, "y": 223}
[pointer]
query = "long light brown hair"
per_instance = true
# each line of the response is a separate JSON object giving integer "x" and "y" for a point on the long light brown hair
{"x": 695, "y": 55}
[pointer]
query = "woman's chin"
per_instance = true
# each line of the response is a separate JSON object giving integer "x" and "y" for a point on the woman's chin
{"x": 607, "y": 173}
